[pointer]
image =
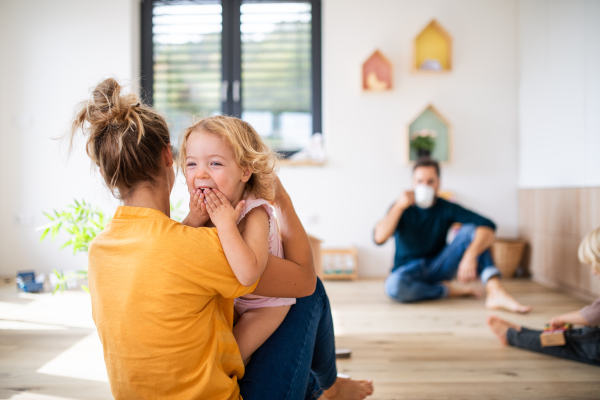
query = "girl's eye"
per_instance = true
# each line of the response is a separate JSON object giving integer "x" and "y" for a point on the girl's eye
{"x": 190, "y": 164}
{"x": 215, "y": 163}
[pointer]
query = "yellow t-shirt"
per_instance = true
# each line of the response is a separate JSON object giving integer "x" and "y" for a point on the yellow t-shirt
{"x": 162, "y": 299}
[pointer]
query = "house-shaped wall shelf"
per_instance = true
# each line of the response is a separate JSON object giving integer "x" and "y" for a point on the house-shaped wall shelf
{"x": 377, "y": 73}
{"x": 430, "y": 120}
{"x": 432, "y": 49}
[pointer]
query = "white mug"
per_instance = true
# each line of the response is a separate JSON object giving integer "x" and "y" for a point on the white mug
{"x": 424, "y": 196}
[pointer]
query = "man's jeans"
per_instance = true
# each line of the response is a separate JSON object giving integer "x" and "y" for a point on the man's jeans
{"x": 421, "y": 279}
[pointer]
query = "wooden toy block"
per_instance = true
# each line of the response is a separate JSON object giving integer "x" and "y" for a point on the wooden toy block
{"x": 343, "y": 353}
{"x": 554, "y": 337}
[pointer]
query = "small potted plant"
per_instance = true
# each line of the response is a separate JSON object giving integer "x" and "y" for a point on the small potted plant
{"x": 423, "y": 141}
{"x": 82, "y": 222}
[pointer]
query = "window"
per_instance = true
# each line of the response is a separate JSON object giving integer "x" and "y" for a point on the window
{"x": 257, "y": 60}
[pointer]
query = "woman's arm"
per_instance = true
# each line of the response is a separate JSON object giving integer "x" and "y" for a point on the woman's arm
{"x": 246, "y": 253}
{"x": 295, "y": 276}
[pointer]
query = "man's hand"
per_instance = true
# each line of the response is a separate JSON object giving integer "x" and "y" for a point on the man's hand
{"x": 198, "y": 215}
{"x": 220, "y": 209}
{"x": 467, "y": 269}
{"x": 386, "y": 227}
{"x": 406, "y": 199}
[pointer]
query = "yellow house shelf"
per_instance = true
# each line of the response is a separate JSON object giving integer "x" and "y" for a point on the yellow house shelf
{"x": 432, "y": 50}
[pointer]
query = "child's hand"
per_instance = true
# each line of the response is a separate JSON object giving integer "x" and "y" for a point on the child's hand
{"x": 557, "y": 322}
{"x": 198, "y": 215}
{"x": 220, "y": 209}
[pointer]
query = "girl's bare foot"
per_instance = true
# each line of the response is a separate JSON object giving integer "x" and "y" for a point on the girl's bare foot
{"x": 347, "y": 389}
{"x": 455, "y": 290}
{"x": 500, "y": 328}
{"x": 499, "y": 299}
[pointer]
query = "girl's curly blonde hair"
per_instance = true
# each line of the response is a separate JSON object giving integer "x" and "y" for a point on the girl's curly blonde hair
{"x": 250, "y": 151}
{"x": 589, "y": 250}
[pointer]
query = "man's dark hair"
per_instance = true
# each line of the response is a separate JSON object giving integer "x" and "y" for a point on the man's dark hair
{"x": 428, "y": 162}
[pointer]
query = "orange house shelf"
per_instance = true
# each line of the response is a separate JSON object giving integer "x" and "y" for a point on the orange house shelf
{"x": 432, "y": 50}
{"x": 377, "y": 73}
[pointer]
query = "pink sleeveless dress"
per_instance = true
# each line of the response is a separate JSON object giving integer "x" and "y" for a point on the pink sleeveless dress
{"x": 251, "y": 301}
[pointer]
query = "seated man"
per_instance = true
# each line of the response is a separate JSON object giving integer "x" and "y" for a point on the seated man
{"x": 424, "y": 264}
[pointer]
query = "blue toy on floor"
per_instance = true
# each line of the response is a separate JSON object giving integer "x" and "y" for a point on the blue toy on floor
{"x": 26, "y": 282}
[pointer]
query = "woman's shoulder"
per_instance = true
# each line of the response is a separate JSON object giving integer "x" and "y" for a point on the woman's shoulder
{"x": 184, "y": 233}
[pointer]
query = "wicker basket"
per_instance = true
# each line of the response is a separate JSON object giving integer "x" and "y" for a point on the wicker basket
{"x": 507, "y": 255}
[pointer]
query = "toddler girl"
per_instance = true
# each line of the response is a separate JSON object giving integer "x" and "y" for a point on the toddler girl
{"x": 229, "y": 173}
{"x": 581, "y": 344}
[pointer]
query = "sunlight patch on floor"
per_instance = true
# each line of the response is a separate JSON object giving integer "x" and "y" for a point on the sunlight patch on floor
{"x": 29, "y": 326}
{"x": 83, "y": 360}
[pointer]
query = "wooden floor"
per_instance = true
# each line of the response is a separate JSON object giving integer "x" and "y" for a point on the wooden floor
{"x": 49, "y": 349}
{"x": 444, "y": 350}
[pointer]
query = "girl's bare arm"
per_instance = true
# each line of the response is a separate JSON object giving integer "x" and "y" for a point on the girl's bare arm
{"x": 247, "y": 253}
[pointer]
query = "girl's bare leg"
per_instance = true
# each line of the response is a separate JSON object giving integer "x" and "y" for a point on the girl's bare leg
{"x": 255, "y": 326}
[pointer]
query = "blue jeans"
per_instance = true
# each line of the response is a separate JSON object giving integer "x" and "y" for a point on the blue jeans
{"x": 421, "y": 279}
{"x": 581, "y": 345}
{"x": 298, "y": 361}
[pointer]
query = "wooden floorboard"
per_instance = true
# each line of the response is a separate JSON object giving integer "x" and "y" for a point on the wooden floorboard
{"x": 444, "y": 350}
{"x": 433, "y": 350}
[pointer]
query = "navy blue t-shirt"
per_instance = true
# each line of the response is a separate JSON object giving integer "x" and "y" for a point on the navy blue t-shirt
{"x": 422, "y": 232}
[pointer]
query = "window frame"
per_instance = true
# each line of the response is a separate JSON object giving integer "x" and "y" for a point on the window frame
{"x": 231, "y": 64}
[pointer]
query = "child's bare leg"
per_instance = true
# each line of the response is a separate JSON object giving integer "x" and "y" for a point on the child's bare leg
{"x": 256, "y": 326}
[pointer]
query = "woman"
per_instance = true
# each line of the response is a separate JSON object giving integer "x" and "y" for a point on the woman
{"x": 162, "y": 293}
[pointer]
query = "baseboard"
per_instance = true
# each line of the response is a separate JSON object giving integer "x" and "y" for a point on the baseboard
{"x": 577, "y": 293}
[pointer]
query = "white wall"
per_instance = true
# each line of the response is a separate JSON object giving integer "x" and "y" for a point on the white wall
{"x": 51, "y": 53}
{"x": 559, "y": 96}
{"x": 342, "y": 201}
{"x": 50, "y": 57}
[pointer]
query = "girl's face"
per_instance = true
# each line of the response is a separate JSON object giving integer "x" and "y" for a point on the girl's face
{"x": 210, "y": 163}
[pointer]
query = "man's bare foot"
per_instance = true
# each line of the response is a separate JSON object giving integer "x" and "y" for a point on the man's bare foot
{"x": 500, "y": 328}
{"x": 347, "y": 389}
{"x": 456, "y": 290}
{"x": 499, "y": 299}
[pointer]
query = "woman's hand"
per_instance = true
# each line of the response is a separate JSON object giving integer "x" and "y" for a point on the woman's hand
{"x": 198, "y": 215}
{"x": 280, "y": 192}
{"x": 220, "y": 210}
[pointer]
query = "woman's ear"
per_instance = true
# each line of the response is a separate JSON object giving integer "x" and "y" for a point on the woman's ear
{"x": 246, "y": 175}
{"x": 168, "y": 154}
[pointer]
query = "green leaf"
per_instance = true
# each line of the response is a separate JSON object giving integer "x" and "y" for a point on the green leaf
{"x": 87, "y": 289}
{"x": 51, "y": 218}
{"x": 44, "y": 234}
